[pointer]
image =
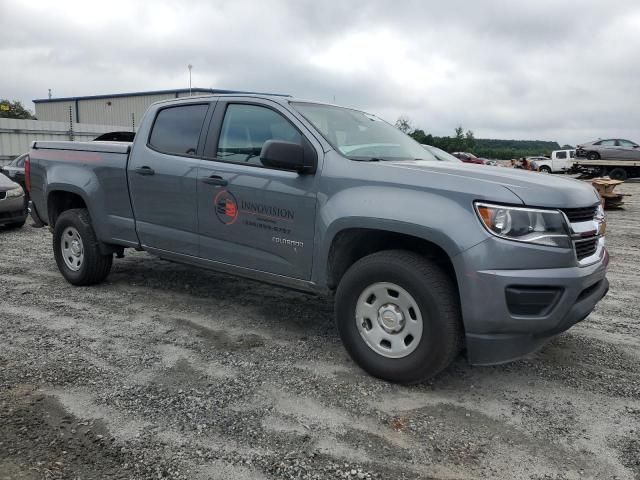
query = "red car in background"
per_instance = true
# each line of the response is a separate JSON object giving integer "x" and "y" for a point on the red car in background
{"x": 468, "y": 157}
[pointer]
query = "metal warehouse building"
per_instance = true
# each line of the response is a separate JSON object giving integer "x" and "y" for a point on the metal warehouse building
{"x": 121, "y": 109}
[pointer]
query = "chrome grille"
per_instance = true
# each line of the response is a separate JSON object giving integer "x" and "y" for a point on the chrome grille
{"x": 583, "y": 214}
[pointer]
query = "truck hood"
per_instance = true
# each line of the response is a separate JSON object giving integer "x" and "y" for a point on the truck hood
{"x": 533, "y": 188}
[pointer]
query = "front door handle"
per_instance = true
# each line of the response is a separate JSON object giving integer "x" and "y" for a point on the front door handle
{"x": 215, "y": 180}
{"x": 145, "y": 170}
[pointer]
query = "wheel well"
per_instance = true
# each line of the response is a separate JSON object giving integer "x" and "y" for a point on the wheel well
{"x": 60, "y": 201}
{"x": 351, "y": 245}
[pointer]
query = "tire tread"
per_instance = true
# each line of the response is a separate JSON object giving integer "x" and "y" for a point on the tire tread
{"x": 440, "y": 284}
{"x": 98, "y": 266}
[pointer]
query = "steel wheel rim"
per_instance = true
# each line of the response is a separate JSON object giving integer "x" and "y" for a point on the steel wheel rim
{"x": 72, "y": 249}
{"x": 389, "y": 320}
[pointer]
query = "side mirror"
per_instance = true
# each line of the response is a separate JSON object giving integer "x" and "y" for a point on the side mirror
{"x": 289, "y": 156}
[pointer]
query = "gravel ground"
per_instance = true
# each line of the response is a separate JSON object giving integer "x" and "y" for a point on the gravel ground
{"x": 166, "y": 371}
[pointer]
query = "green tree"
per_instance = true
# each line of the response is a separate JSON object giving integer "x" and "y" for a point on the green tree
{"x": 470, "y": 140}
{"x": 14, "y": 109}
{"x": 404, "y": 124}
{"x": 419, "y": 136}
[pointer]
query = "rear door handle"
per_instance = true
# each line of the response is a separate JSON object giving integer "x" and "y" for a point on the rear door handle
{"x": 215, "y": 180}
{"x": 145, "y": 170}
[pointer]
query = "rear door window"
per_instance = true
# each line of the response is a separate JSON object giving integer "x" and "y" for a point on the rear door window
{"x": 561, "y": 155}
{"x": 176, "y": 130}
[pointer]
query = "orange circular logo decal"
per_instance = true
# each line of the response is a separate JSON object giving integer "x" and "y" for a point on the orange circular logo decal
{"x": 226, "y": 207}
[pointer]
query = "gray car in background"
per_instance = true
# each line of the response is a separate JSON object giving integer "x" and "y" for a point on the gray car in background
{"x": 13, "y": 204}
{"x": 613, "y": 149}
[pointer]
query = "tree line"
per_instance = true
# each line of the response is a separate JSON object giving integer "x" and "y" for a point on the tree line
{"x": 14, "y": 109}
{"x": 462, "y": 141}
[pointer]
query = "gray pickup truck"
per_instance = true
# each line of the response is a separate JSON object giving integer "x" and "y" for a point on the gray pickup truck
{"x": 426, "y": 258}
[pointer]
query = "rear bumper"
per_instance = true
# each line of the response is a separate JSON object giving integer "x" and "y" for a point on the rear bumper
{"x": 37, "y": 221}
{"x": 502, "y": 327}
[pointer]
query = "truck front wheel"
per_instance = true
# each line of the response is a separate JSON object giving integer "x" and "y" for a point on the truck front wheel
{"x": 76, "y": 249}
{"x": 398, "y": 315}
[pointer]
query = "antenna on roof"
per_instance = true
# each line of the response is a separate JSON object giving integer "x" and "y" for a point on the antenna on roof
{"x": 49, "y": 94}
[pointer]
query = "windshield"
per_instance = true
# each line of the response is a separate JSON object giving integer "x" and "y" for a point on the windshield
{"x": 361, "y": 136}
{"x": 441, "y": 154}
{"x": 17, "y": 161}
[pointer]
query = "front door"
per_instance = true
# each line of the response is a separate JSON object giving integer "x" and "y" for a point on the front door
{"x": 252, "y": 216}
{"x": 163, "y": 173}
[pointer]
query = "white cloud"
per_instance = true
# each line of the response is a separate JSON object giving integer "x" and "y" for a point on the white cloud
{"x": 557, "y": 70}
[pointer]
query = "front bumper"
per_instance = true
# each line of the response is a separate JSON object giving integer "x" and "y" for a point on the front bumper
{"x": 497, "y": 332}
{"x": 12, "y": 210}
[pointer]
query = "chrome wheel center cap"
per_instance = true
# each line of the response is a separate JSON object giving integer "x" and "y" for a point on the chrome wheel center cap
{"x": 75, "y": 248}
{"x": 390, "y": 318}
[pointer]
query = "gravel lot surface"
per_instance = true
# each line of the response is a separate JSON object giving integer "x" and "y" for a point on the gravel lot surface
{"x": 166, "y": 371}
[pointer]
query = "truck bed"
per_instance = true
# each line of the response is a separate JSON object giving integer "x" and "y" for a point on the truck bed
{"x": 96, "y": 174}
{"x": 607, "y": 163}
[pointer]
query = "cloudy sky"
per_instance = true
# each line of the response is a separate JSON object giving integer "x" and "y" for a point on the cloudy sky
{"x": 544, "y": 69}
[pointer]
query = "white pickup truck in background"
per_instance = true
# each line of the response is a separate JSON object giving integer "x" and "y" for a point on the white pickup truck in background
{"x": 560, "y": 161}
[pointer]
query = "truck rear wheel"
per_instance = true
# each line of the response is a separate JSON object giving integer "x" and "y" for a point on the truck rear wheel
{"x": 76, "y": 249}
{"x": 398, "y": 316}
{"x": 618, "y": 174}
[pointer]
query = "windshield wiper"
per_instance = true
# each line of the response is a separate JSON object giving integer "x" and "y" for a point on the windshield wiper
{"x": 366, "y": 159}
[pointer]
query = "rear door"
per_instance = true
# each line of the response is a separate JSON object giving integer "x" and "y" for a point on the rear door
{"x": 252, "y": 216}
{"x": 163, "y": 174}
{"x": 608, "y": 149}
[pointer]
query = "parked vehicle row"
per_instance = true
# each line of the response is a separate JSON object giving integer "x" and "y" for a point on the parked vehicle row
{"x": 468, "y": 158}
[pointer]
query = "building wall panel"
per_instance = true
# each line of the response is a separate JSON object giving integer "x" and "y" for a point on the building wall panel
{"x": 16, "y": 136}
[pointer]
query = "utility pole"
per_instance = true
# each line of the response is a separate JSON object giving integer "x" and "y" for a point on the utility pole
{"x": 189, "y": 67}
{"x": 49, "y": 94}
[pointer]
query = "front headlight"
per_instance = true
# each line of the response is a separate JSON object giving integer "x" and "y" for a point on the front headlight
{"x": 15, "y": 192}
{"x": 530, "y": 225}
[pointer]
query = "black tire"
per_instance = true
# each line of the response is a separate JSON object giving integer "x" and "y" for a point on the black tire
{"x": 95, "y": 267}
{"x": 19, "y": 224}
{"x": 544, "y": 169}
{"x": 618, "y": 174}
{"x": 593, "y": 156}
{"x": 436, "y": 297}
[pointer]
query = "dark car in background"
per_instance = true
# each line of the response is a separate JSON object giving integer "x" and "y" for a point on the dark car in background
{"x": 13, "y": 203}
{"x": 468, "y": 158}
{"x": 609, "y": 149}
{"x": 15, "y": 170}
{"x": 115, "y": 137}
